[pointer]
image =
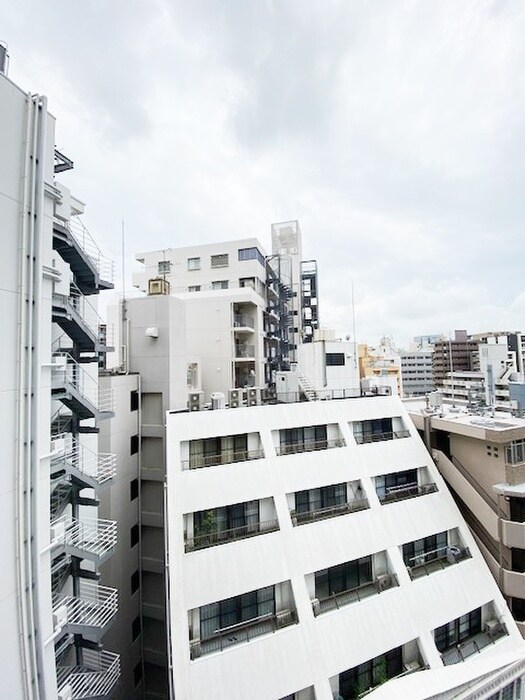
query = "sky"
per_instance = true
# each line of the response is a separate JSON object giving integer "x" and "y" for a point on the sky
{"x": 393, "y": 130}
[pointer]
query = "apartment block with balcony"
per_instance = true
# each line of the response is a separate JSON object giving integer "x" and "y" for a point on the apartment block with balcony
{"x": 55, "y": 612}
{"x": 322, "y": 558}
{"x": 482, "y": 459}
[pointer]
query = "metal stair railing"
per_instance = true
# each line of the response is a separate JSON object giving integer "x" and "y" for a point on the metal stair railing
{"x": 104, "y": 265}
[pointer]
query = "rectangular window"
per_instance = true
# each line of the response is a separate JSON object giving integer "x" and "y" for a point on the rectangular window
{"x": 135, "y": 629}
{"x": 133, "y": 489}
{"x": 134, "y": 444}
{"x": 344, "y": 577}
{"x": 194, "y": 288}
{"x": 134, "y": 401}
{"x": 396, "y": 481}
{"x": 335, "y": 359}
{"x": 251, "y": 254}
{"x": 458, "y": 630}
{"x": 134, "y": 535}
{"x": 163, "y": 267}
{"x": 135, "y": 582}
{"x": 194, "y": 263}
{"x": 425, "y": 549}
{"x": 219, "y": 260}
{"x": 232, "y": 611}
{"x": 220, "y": 284}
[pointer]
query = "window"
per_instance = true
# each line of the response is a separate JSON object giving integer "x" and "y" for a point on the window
{"x": 135, "y": 582}
{"x": 134, "y": 535}
{"x": 247, "y": 282}
{"x": 135, "y": 629}
{"x": 218, "y": 450}
{"x": 220, "y": 284}
{"x": 324, "y": 497}
{"x": 425, "y": 549}
{"x": 232, "y": 611}
{"x": 209, "y": 522}
{"x": 163, "y": 267}
{"x": 219, "y": 260}
{"x": 133, "y": 489}
{"x": 335, "y": 359}
{"x": 396, "y": 481}
{"x": 134, "y": 401}
{"x": 367, "y": 675}
{"x": 343, "y": 577}
{"x": 194, "y": 263}
{"x": 304, "y": 439}
{"x": 137, "y": 674}
{"x": 251, "y": 254}
{"x": 194, "y": 288}
{"x": 373, "y": 430}
{"x": 458, "y": 630}
{"x": 134, "y": 444}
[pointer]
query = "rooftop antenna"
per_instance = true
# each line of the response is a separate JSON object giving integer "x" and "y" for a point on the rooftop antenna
{"x": 451, "y": 369}
{"x": 353, "y": 327}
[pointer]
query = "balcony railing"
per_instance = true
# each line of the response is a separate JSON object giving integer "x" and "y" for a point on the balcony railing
{"x": 401, "y": 493}
{"x": 495, "y": 630}
{"x": 354, "y": 595}
{"x": 242, "y": 632}
{"x": 94, "y": 679}
{"x": 94, "y": 607}
{"x": 362, "y": 439}
{"x": 310, "y": 516}
{"x": 211, "y": 539}
{"x": 245, "y": 351}
{"x": 95, "y": 538}
{"x": 437, "y": 559}
{"x": 98, "y": 467}
{"x": 313, "y": 446}
{"x": 199, "y": 461}
{"x": 243, "y": 321}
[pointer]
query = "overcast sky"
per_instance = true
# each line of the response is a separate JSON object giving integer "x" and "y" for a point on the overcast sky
{"x": 394, "y": 132}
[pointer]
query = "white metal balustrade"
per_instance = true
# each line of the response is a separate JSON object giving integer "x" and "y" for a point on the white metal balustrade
{"x": 93, "y": 608}
{"x": 67, "y": 372}
{"x": 104, "y": 265}
{"x": 97, "y": 468}
{"x": 88, "y": 538}
{"x": 96, "y": 677}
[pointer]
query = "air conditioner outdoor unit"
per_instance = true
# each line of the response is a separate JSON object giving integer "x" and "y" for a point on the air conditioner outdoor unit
{"x": 492, "y": 627}
{"x": 235, "y": 398}
{"x": 384, "y": 581}
{"x": 253, "y": 396}
{"x": 412, "y": 666}
{"x": 195, "y": 648}
{"x": 195, "y": 401}
{"x": 283, "y": 618}
{"x": 65, "y": 693}
{"x": 453, "y": 553}
{"x": 316, "y": 606}
{"x": 218, "y": 400}
{"x": 60, "y": 617}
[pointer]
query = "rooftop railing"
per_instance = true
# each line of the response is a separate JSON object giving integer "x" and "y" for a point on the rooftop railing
{"x": 310, "y": 516}
{"x": 309, "y": 446}
{"x": 362, "y": 439}
{"x": 95, "y": 606}
{"x": 354, "y": 595}
{"x": 242, "y": 632}
{"x": 226, "y": 457}
{"x": 401, "y": 493}
{"x": 211, "y": 539}
{"x": 95, "y": 678}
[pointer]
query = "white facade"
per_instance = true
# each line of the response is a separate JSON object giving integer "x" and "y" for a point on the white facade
{"x": 330, "y": 365}
{"x": 293, "y": 638}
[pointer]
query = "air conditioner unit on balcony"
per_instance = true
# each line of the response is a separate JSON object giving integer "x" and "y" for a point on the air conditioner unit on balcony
{"x": 453, "y": 554}
{"x": 195, "y": 648}
{"x": 60, "y": 617}
{"x": 384, "y": 581}
{"x": 316, "y": 606}
{"x": 65, "y": 693}
{"x": 253, "y": 396}
{"x": 235, "y": 398}
{"x": 283, "y": 618}
{"x": 492, "y": 627}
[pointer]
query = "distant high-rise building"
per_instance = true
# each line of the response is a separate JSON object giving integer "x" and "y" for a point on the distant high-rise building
{"x": 452, "y": 355}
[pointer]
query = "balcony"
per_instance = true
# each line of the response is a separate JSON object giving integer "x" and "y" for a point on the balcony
{"x": 303, "y": 517}
{"x": 87, "y": 539}
{"x": 338, "y": 600}
{"x": 226, "y": 457}
{"x": 242, "y": 632}
{"x": 402, "y": 493}
{"x": 231, "y": 535}
{"x": 89, "y": 613}
{"x": 436, "y": 560}
{"x": 309, "y": 446}
{"x": 362, "y": 439}
{"x": 493, "y": 630}
{"x": 245, "y": 352}
{"x": 77, "y": 461}
{"x": 243, "y": 322}
{"x": 95, "y": 678}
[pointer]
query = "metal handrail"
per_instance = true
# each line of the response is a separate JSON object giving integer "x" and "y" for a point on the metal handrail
{"x": 94, "y": 606}
{"x": 363, "y": 591}
{"x": 94, "y": 536}
{"x": 314, "y": 446}
{"x": 104, "y": 265}
{"x": 96, "y": 677}
{"x": 444, "y": 559}
{"x": 362, "y": 439}
{"x": 66, "y": 370}
{"x": 473, "y": 645}
{"x": 302, "y": 517}
{"x": 230, "y": 535}
{"x": 99, "y": 466}
{"x": 401, "y": 493}
{"x": 226, "y": 457}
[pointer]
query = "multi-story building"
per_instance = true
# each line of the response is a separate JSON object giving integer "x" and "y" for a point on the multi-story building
{"x": 416, "y": 372}
{"x": 483, "y": 462}
{"x": 382, "y": 363}
{"x": 452, "y": 355}
{"x": 314, "y": 552}
{"x": 54, "y": 610}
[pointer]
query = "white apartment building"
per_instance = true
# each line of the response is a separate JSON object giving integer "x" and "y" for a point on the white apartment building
{"x": 54, "y": 610}
{"x": 416, "y": 372}
{"x": 314, "y": 551}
